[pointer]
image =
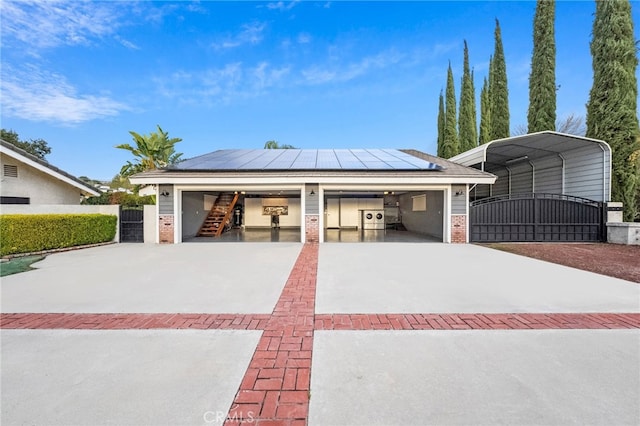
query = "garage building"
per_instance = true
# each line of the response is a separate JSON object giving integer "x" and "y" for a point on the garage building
{"x": 313, "y": 195}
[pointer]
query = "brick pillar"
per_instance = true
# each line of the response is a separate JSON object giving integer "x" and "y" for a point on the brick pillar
{"x": 312, "y": 228}
{"x": 165, "y": 226}
{"x": 458, "y": 228}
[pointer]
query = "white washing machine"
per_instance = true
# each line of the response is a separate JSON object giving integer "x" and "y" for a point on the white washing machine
{"x": 378, "y": 219}
{"x": 368, "y": 219}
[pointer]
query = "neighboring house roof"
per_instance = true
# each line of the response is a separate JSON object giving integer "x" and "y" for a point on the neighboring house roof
{"x": 43, "y": 166}
{"x": 313, "y": 163}
{"x": 503, "y": 152}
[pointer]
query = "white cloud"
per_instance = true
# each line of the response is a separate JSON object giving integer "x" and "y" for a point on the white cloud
{"x": 37, "y": 95}
{"x": 249, "y": 34}
{"x": 304, "y": 38}
{"x": 282, "y": 5}
{"x": 344, "y": 72}
{"x": 46, "y": 24}
{"x": 222, "y": 85}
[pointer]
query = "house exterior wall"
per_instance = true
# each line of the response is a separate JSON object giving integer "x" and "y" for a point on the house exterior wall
{"x": 166, "y": 218}
{"x": 312, "y": 213}
{"x": 150, "y": 223}
{"x": 38, "y": 186}
{"x": 459, "y": 202}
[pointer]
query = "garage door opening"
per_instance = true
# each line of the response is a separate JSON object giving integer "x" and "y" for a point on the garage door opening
{"x": 383, "y": 216}
{"x": 241, "y": 216}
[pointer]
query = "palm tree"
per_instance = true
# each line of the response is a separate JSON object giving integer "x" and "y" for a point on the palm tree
{"x": 276, "y": 145}
{"x": 152, "y": 151}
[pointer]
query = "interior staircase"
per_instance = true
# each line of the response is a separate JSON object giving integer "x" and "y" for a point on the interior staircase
{"x": 219, "y": 215}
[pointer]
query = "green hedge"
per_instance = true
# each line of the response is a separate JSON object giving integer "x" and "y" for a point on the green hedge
{"x": 27, "y": 233}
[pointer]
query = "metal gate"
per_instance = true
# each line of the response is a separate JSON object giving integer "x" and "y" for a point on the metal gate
{"x": 537, "y": 218}
{"x": 131, "y": 224}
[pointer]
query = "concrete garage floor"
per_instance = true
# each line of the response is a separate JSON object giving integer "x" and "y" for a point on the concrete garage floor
{"x": 74, "y": 367}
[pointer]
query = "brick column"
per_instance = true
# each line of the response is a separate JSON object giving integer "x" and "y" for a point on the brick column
{"x": 458, "y": 228}
{"x": 312, "y": 228}
{"x": 165, "y": 226}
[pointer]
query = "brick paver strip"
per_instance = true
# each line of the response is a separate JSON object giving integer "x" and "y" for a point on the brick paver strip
{"x": 476, "y": 321}
{"x": 135, "y": 321}
{"x": 421, "y": 321}
{"x": 275, "y": 388}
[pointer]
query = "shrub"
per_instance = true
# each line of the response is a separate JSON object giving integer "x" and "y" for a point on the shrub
{"x": 26, "y": 233}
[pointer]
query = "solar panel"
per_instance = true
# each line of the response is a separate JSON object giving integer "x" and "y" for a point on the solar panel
{"x": 306, "y": 159}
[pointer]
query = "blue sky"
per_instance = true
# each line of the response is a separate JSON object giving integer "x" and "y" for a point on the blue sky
{"x": 338, "y": 74}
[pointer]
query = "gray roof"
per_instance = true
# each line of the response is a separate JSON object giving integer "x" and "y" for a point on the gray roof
{"x": 306, "y": 159}
{"x": 81, "y": 184}
{"x": 502, "y": 152}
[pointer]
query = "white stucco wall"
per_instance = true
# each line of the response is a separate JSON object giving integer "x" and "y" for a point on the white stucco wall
{"x": 39, "y": 187}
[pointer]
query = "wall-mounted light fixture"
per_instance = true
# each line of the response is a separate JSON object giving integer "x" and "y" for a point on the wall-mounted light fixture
{"x": 459, "y": 193}
{"x": 165, "y": 193}
{"x": 312, "y": 193}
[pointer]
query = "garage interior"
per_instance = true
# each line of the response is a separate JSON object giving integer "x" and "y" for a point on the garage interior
{"x": 270, "y": 216}
{"x": 387, "y": 216}
{"x": 276, "y": 216}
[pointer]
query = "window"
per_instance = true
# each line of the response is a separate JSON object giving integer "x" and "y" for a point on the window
{"x": 9, "y": 170}
{"x": 15, "y": 200}
{"x": 419, "y": 203}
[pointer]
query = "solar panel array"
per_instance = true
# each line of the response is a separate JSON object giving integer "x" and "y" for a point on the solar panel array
{"x": 305, "y": 159}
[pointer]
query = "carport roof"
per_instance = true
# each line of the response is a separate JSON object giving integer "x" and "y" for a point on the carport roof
{"x": 530, "y": 147}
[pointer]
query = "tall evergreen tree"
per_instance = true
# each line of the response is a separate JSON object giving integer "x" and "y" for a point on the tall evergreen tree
{"x": 542, "y": 80}
{"x": 612, "y": 107}
{"x": 440, "y": 125}
{"x": 485, "y": 114}
{"x": 450, "y": 145}
{"x": 467, "y": 130}
{"x": 498, "y": 90}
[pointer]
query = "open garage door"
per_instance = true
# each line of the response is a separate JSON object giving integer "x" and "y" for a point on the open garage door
{"x": 383, "y": 216}
{"x": 537, "y": 218}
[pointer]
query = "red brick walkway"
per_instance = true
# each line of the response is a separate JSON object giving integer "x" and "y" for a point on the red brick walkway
{"x": 275, "y": 388}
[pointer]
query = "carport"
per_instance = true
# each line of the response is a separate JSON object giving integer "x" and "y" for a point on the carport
{"x": 550, "y": 187}
{"x": 313, "y": 193}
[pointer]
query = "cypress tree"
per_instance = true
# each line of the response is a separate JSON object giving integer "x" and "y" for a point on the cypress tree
{"x": 612, "y": 107}
{"x": 498, "y": 90}
{"x": 467, "y": 130}
{"x": 485, "y": 114}
{"x": 450, "y": 145}
{"x": 440, "y": 125}
{"x": 542, "y": 80}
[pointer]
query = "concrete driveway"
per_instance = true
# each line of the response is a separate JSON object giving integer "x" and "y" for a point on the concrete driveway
{"x": 91, "y": 337}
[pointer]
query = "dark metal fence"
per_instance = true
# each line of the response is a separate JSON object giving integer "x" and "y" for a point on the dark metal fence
{"x": 537, "y": 218}
{"x": 131, "y": 224}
